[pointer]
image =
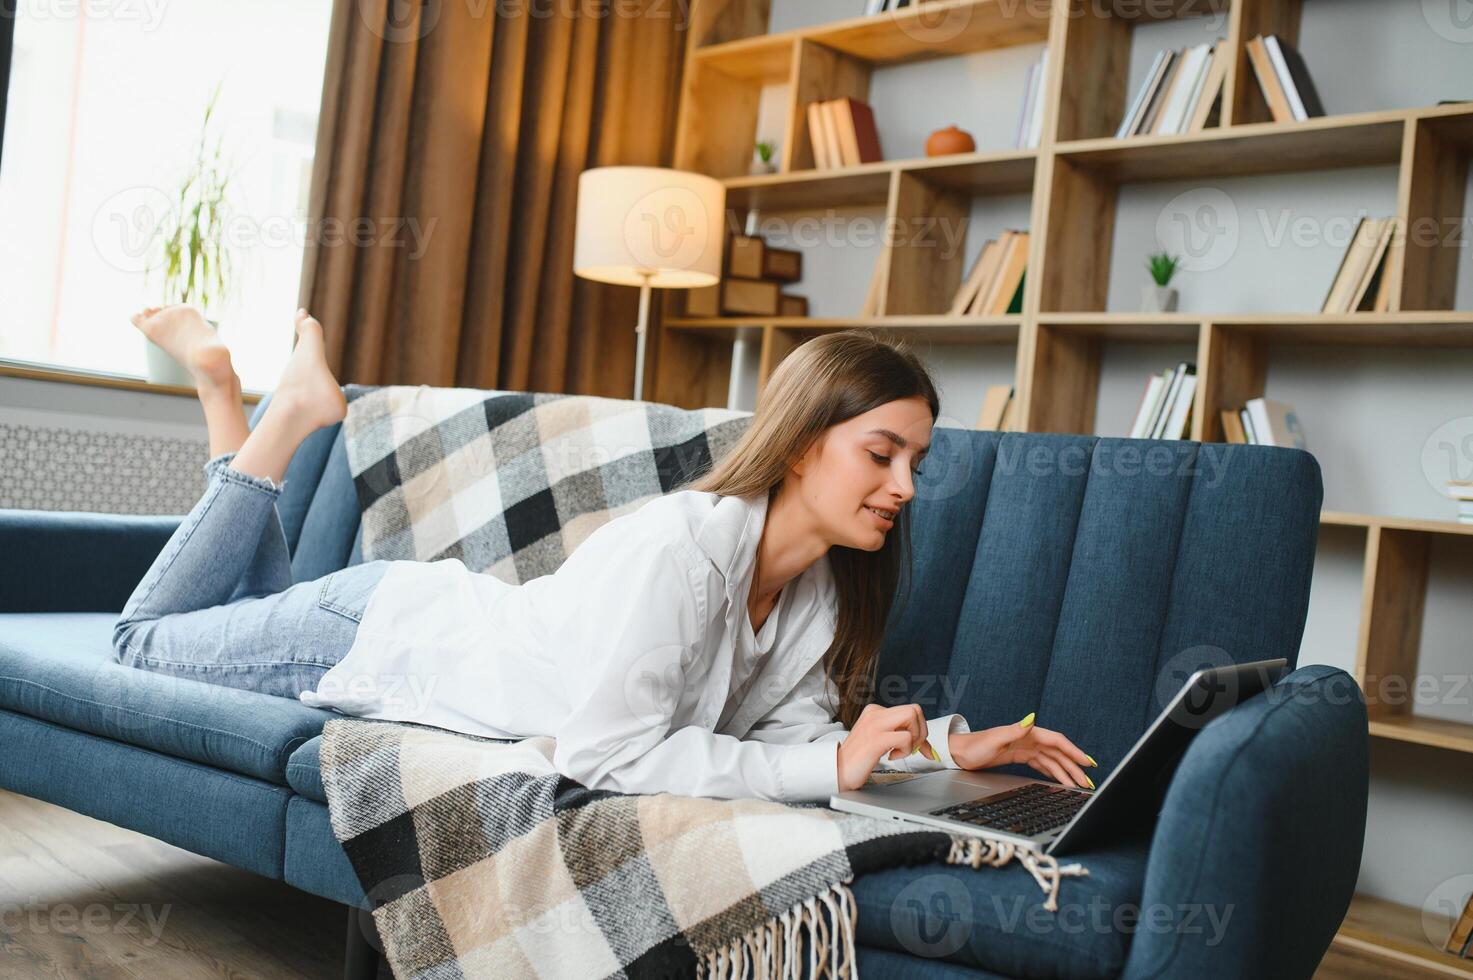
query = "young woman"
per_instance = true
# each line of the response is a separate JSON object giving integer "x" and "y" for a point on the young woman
{"x": 717, "y": 641}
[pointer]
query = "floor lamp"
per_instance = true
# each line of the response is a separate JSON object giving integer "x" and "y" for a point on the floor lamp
{"x": 649, "y": 227}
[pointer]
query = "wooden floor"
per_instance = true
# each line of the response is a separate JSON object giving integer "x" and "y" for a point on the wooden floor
{"x": 84, "y": 899}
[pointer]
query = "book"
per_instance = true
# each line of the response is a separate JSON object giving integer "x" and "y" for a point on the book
{"x": 1147, "y": 122}
{"x": 1025, "y": 112}
{"x": 1375, "y": 265}
{"x": 1167, "y": 411}
{"x": 828, "y": 114}
{"x": 871, "y": 306}
{"x": 1211, "y": 95}
{"x": 1183, "y": 84}
{"x": 982, "y": 271}
{"x": 815, "y": 136}
{"x": 1199, "y": 78}
{"x": 995, "y": 407}
{"x": 1035, "y": 125}
{"x": 1274, "y": 423}
{"x": 1268, "y": 80}
{"x": 1179, "y": 419}
{"x": 1355, "y": 264}
{"x": 859, "y": 140}
{"x": 1148, "y": 406}
{"x": 1142, "y": 95}
{"x": 1294, "y": 78}
{"x": 1008, "y": 279}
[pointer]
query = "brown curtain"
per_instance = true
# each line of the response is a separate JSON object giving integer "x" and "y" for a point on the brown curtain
{"x": 449, "y": 146}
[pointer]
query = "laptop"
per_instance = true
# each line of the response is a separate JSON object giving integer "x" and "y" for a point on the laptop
{"x": 1042, "y": 815}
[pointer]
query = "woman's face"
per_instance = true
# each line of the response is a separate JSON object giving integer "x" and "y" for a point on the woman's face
{"x": 864, "y": 465}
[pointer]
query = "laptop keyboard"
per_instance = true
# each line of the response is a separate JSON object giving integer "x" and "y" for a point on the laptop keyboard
{"x": 1027, "y": 810}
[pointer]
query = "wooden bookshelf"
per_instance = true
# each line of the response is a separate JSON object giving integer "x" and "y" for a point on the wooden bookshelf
{"x": 1074, "y": 178}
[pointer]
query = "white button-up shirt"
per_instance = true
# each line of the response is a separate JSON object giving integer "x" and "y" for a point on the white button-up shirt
{"x": 627, "y": 656}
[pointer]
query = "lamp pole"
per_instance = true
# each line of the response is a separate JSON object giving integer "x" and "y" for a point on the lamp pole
{"x": 640, "y": 332}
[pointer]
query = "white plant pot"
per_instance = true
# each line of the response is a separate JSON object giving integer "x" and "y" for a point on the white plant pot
{"x": 162, "y": 369}
{"x": 760, "y": 167}
{"x": 1158, "y": 299}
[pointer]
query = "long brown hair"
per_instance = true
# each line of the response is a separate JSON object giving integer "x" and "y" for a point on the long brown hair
{"x": 828, "y": 380}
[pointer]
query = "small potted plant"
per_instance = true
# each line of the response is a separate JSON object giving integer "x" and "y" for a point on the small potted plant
{"x": 763, "y": 157}
{"x": 188, "y": 244}
{"x": 1159, "y": 297}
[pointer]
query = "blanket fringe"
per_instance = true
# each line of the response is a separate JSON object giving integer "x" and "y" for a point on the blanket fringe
{"x": 1045, "y": 868}
{"x": 823, "y": 924}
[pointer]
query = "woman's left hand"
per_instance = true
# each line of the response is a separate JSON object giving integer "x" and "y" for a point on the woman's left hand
{"x": 1045, "y": 750}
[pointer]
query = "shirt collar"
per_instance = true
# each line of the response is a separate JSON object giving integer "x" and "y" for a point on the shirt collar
{"x": 729, "y": 537}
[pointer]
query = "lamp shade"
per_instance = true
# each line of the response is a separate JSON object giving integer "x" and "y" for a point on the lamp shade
{"x": 638, "y": 222}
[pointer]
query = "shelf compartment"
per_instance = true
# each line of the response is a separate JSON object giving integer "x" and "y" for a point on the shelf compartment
{"x": 919, "y": 32}
{"x": 1323, "y": 143}
{"x": 1389, "y": 930}
{"x": 1152, "y": 328}
{"x": 1342, "y": 518}
{"x": 1423, "y": 328}
{"x": 1006, "y": 172}
{"x": 1456, "y": 736}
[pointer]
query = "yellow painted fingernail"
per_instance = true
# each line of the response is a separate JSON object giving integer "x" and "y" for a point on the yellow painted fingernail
{"x": 1090, "y": 781}
{"x": 1028, "y": 720}
{"x": 1091, "y": 759}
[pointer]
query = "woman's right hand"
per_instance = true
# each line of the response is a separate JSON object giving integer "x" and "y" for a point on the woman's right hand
{"x": 878, "y": 733}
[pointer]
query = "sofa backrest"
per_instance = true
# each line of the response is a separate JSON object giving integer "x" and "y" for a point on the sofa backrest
{"x": 1079, "y": 577}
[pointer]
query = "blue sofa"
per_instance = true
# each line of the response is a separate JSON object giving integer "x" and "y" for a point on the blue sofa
{"x": 1075, "y": 576}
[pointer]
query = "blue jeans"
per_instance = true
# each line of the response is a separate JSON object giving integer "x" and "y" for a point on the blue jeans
{"x": 219, "y": 605}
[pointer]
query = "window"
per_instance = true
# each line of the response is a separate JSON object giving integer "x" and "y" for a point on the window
{"x": 102, "y": 120}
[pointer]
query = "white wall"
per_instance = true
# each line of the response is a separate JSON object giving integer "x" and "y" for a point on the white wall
{"x": 1367, "y": 412}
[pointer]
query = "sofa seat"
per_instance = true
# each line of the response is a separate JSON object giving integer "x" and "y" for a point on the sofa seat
{"x": 993, "y": 918}
{"x": 58, "y": 667}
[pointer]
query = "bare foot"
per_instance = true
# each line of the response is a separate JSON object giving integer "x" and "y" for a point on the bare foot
{"x": 307, "y": 385}
{"x": 182, "y": 332}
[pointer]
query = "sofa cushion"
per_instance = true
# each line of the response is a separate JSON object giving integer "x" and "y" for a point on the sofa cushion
{"x": 304, "y": 770}
{"x": 58, "y": 667}
{"x": 993, "y": 918}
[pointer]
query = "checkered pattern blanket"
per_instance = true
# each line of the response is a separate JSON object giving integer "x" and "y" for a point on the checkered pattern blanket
{"x": 512, "y": 482}
{"x": 481, "y": 860}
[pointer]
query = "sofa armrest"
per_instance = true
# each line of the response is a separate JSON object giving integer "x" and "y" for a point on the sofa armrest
{"x": 1258, "y": 846}
{"x": 69, "y": 561}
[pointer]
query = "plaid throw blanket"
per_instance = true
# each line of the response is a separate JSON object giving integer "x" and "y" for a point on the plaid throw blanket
{"x": 481, "y": 860}
{"x": 511, "y": 482}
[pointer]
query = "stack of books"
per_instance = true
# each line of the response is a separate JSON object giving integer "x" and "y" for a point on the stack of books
{"x": 1181, "y": 92}
{"x": 1165, "y": 409}
{"x": 1284, "y": 79}
{"x": 1361, "y": 283}
{"x": 1030, "y": 120}
{"x": 995, "y": 284}
{"x": 997, "y": 408}
{"x": 1462, "y": 492}
{"x": 1264, "y": 422}
{"x": 843, "y": 134}
{"x": 872, "y": 7}
{"x": 753, "y": 282}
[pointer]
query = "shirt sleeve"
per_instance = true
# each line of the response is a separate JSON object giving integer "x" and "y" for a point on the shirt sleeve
{"x": 643, "y": 640}
{"x": 807, "y": 715}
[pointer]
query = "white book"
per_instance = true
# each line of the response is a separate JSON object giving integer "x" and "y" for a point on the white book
{"x": 1035, "y": 129}
{"x": 1286, "y": 80}
{"x": 1154, "y": 387}
{"x": 1025, "y": 112}
{"x": 1248, "y": 432}
{"x": 1127, "y": 124}
{"x": 1158, "y": 418}
{"x": 1169, "y": 403}
{"x": 1196, "y": 96}
{"x": 1181, "y": 410}
{"x": 1174, "y": 113}
{"x": 874, "y": 7}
